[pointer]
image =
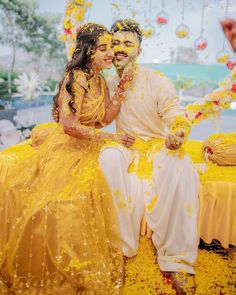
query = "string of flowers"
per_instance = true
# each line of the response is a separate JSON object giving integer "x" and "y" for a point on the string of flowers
{"x": 74, "y": 18}
{"x": 214, "y": 103}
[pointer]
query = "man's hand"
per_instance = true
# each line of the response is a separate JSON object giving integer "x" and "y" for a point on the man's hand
{"x": 229, "y": 28}
{"x": 174, "y": 141}
{"x": 127, "y": 140}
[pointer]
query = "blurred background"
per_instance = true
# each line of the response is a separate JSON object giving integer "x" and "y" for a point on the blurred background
{"x": 183, "y": 40}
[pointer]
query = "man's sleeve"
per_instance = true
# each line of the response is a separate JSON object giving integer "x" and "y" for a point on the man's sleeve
{"x": 169, "y": 107}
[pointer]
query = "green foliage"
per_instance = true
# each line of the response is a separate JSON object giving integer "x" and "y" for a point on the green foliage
{"x": 183, "y": 83}
{"x": 51, "y": 84}
{"x": 4, "y": 90}
{"x": 24, "y": 28}
{"x": 4, "y": 86}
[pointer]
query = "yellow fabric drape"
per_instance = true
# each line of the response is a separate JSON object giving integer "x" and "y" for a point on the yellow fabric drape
{"x": 217, "y": 217}
{"x": 57, "y": 220}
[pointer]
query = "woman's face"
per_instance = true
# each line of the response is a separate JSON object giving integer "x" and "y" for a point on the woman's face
{"x": 103, "y": 55}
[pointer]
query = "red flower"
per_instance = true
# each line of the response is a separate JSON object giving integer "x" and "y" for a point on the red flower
{"x": 202, "y": 46}
{"x": 68, "y": 31}
{"x": 208, "y": 150}
{"x": 161, "y": 20}
{"x": 233, "y": 88}
{"x": 198, "y": 115}
{"x": 216, "y": 102}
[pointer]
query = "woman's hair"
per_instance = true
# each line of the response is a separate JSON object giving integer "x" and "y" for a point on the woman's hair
{"x": 86, "y": 41}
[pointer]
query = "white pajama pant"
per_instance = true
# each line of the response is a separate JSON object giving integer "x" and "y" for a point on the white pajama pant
{"x": 169, "y": 200}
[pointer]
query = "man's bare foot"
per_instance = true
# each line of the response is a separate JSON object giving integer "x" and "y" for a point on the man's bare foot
{"x": 183, "y": 283}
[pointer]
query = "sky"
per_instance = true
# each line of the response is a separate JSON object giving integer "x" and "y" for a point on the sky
{"x": 157, "y": 49}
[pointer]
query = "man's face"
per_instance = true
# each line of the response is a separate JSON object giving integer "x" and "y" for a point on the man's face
{"x": 126, "y": 48}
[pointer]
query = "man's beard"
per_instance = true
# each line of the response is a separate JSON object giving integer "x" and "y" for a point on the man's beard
{"x": 121, "y": 64}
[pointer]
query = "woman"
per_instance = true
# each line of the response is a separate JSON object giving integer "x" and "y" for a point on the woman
{"x": 58, "y": 225}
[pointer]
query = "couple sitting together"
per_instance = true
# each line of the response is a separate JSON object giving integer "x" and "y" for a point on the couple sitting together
{"x": 71, "y": 212}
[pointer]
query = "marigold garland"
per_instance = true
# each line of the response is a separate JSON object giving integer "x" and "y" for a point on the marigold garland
{"x": 214, "y": 103}
{"x": 74, "y": 18}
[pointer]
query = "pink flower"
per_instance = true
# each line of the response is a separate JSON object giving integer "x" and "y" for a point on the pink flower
{"x": 230, "y": 65}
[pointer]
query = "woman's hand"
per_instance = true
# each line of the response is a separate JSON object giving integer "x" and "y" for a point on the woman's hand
{"x": 126, "y": 139}
{"x": 126, "y": 78}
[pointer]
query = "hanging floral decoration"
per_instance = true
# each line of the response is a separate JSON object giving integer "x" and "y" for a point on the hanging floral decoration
{"x": 214, "y": 103}
{"x": 162, "y": 17}
{"x": 201, "y": 42}
{"x": 149, "y": 29}
{"x": 74, "y": 18}
{"x": 231, "y": 63}
{"x": 223, "y": 56}
{"x": 182, "y": 30}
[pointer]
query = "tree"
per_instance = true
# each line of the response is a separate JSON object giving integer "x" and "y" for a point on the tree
{"x": 23, "y": 28}
{"x": 11, "y": 34}
{"x": 183, "y": 55}
{"x": 182, "y": 83}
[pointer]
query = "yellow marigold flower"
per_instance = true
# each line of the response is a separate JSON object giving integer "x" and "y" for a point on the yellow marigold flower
{"x": 74, "y": 263}
{"x": 88, "y": 4}
{"x": 182, "y": 34}
{"x": 79, "y": 2}
{"x": 67, "y": 23}
{"x": 152, "y": 203}
{"x": 223, "y": 58}
{"x": 71, "y": 51}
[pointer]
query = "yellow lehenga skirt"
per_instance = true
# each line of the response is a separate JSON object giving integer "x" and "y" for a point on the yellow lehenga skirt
{"x": 58, "y": 227}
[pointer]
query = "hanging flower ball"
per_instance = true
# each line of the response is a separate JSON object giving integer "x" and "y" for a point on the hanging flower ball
{"x": 148, "y": 31}
{"x": 162, "y": 18}
{"x": 200, "y": 43}
{"x": 182, "y": 31}
{"x": 231, "y": 63}
{"x": 223, "y": 56}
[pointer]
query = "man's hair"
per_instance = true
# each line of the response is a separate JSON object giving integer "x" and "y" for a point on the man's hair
{"x": 127, "y": 25}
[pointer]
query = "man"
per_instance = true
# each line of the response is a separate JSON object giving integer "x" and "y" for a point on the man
{"x": 152, "y": 177}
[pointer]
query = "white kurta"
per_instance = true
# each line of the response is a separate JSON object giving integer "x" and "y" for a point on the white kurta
{"x": 169, "y": 196}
